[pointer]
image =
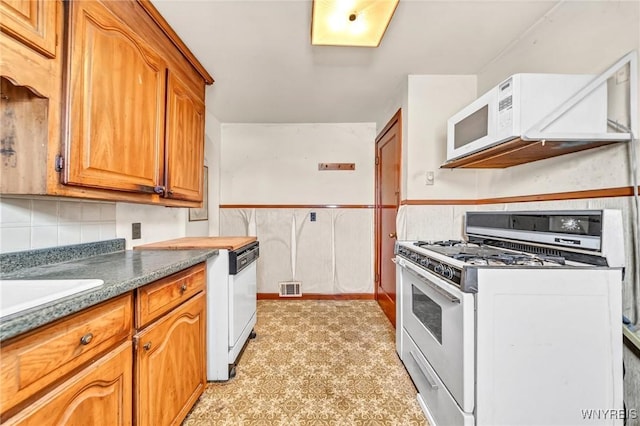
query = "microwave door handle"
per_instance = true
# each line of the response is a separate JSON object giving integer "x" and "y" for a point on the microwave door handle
{"x": 450, "y": 297}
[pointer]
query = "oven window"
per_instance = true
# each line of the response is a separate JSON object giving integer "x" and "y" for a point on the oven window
{"x": 428, "y": 312}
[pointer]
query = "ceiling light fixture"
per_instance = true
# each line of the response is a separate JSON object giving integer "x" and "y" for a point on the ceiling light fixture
{"x": 350, "y": 22}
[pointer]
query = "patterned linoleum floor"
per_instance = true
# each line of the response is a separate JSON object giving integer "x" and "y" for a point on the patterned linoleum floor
{"x": 315, "y": 362}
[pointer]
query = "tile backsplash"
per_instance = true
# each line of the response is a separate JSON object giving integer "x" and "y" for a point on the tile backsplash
{"x": 31, "y": 223}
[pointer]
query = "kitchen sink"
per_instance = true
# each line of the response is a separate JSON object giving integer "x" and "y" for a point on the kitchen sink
{"x": 20, "y": 295}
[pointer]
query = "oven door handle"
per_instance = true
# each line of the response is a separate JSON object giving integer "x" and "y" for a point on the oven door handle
{"x": 450, "y": 297}
{"x": 424, "y": 371}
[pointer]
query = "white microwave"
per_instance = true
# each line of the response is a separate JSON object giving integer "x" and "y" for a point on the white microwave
{"x": 513, "y": 107}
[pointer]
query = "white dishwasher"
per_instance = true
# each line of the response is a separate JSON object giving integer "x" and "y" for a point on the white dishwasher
{"x": 231, "y": 308}
{"x": 231, "y": 297}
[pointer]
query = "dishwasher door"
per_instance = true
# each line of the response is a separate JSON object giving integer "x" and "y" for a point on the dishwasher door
{"x": 242, "y": 307}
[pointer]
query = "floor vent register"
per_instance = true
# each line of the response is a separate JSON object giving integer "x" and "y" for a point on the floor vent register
{"x": 290, "y": 289}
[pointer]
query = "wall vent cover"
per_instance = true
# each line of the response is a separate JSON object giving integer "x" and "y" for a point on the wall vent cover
{"x": 290, "y": 289}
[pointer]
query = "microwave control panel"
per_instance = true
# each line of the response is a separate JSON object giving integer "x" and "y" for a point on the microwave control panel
{"x": 505, "y": 105}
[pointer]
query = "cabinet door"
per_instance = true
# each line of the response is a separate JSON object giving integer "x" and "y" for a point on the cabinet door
{"x": 32, "y": 362}
{"x": 100, "y": 394}
{"x": 117, "y": 104}
{"x": 171, "y": 365}
{"x": 32, "y": 22}
{"x": 185, "y": 141}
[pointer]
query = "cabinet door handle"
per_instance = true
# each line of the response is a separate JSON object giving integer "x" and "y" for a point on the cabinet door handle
{"x": 392, "y": 235}
{"x": 183, "y": 288}
{"x": 147, "y": 346}
{"x": 86, "y": 339}
{"x": 159, "y": 189}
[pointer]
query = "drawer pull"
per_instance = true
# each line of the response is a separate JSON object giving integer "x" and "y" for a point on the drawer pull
{"x": 147, "y": 346}
{"x": 424, "y": 372}
{"x": 86, "y": 339}
{"x": 183, "y": 288}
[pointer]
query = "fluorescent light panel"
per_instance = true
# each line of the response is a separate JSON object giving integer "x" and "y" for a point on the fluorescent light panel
{"x": 350, "y": 22}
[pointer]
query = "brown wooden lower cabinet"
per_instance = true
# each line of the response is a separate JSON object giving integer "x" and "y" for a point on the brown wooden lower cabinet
{"x": 100, "y": 395}
{"x": 79, "y": 370}
{"x": 171, "y": 364}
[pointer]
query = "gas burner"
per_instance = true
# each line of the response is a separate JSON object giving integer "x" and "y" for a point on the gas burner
{"x": 507, "y": 259}
{"x": 445, "y": 243}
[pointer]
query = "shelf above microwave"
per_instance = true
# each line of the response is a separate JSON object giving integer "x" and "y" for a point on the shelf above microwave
{"x": 519, "y": 151}
{"x": 539, "y": 142}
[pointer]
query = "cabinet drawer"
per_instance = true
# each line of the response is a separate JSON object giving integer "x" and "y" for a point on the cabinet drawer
{"x": 99, "y": 395}
{"x": 163, "y": 295}
{"x": 36, "y": 360}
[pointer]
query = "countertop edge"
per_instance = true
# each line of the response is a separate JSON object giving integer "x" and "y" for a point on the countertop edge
{"x": 200, "y": 243}
{"x": 29, "y": 320}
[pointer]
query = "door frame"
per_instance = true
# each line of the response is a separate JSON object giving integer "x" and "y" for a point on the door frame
{"x": 378, "y": 237}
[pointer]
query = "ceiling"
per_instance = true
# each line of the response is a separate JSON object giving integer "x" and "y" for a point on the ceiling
{"x": 266, "y": 70}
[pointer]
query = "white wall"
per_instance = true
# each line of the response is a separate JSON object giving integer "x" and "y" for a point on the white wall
{"x": 157, "y": 223}
{"x": 212, "y": 161}
{"x": 32, "y": 223}
{"x": 427, "y": 101}
{"x": 579, "y": 37}
{"x": 213, "y": 135}
{"x": 333, "y": 255}
{"x": 278, "y": 163}
{"x": 432, "y": 100}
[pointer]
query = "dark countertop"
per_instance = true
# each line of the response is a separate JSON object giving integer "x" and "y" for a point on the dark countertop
{"x": 121, "y": 271}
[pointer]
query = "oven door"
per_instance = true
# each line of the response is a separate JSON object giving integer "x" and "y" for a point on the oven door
{"x": 440, "y": 320}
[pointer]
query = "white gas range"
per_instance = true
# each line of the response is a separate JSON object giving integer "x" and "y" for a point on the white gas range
{"x": 518, "y": 325}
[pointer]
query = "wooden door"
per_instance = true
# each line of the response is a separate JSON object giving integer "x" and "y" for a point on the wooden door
{"x": 387, "y": 202}
{"x": 171, "y": 365}
{"x": 98, "y": 395}
{"x": 32, "y": 22}
{"x": 115, "y": 137}
{"x": 185, "y": 140}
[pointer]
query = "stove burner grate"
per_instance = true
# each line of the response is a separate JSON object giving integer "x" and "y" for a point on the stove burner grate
{"x": 507, "y": 259}
{"x": 445, "y": 243}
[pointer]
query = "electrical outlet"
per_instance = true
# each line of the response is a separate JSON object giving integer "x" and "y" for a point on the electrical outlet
{"x": 429, "y": 178}
{"x": 136, "y": 231}
{"x": 622, "y": 75}
{"x": 312, "y": 216}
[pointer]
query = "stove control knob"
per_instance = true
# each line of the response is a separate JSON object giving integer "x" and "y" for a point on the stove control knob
{"x": 438, "y": 268}
{"x": 424, "y": 261}
{"x": 448, "y": 272}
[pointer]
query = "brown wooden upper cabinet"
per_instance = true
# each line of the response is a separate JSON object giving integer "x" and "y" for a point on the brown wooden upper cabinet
{"x": 185, "y": 133}
{"x": 136, "y": 118}
{"x": 129, "y": 123}
{"x": 32, "y": 22}
{"x": 117, "y": 104}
